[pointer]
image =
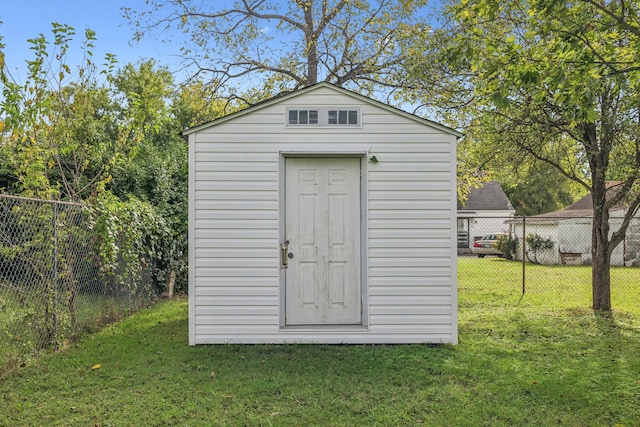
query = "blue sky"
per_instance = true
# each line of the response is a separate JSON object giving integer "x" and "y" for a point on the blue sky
{"x": 25, "y": 19}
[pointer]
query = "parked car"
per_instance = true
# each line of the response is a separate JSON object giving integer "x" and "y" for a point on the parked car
{"x": 487, "y": 245}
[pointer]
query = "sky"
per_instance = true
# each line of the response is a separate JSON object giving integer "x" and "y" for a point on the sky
{"x": 25, "y": 19}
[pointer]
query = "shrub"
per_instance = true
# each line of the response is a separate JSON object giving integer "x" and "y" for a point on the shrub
{"x": 536, "y": 245}
{"x": 508, "y": 245}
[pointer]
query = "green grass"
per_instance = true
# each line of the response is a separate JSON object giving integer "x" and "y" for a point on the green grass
{"x": 26, "y": 321}
{"x": 549, "y": 286}
{"x": 521, "y": 361}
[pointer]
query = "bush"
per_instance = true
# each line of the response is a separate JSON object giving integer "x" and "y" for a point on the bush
{"x": 131, "y": 239}
{"x": 508, "y": 245}
{"x": 536, "y": 245}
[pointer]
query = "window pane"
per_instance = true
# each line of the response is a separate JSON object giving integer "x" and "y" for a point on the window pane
{"x": 303, "y": 117}
{"x": 342, "y": 117}
{"x": 313, "y": 117}
{"x": 353, "y": 117}
{"x": 333, "y": 117}
{"x": 293, "y": 117}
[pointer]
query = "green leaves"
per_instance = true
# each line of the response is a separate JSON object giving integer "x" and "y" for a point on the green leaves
{"x": 129, "y": 234}
{"x": 56, "y": 127}
{"x": 111, "y": 142}
{"x": 546, "y": 80}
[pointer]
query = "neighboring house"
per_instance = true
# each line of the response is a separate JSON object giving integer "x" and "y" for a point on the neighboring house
{"x": 322, "y": 216}
{"x": 485, "y": 211}
{"x": 570, "y": 231}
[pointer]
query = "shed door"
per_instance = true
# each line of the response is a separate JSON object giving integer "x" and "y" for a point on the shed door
{"x": 322, "y": 220}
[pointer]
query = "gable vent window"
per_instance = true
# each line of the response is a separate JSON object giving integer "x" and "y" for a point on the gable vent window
{"x": 303, "y": 117}
{"x": 343, "y": 117}
{"x": 321, "y": 117}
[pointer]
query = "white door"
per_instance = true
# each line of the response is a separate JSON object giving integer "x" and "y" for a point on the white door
{"x": 322, "y": 220}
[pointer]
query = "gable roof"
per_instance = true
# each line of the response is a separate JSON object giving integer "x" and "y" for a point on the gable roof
{"x": 489, "y": 197}
{"x": 582, "y": 208}
{"x": 357, "y": 96}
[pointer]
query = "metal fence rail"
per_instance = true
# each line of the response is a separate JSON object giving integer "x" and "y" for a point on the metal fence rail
{"x": 52, "y": 283}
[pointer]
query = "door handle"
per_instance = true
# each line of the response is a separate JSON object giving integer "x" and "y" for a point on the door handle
{"x": 284, "y": 255}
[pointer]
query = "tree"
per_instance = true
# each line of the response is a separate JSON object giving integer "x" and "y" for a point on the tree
{"x": 286, "y": 44}
{"x": 59, "y": 130}
{"x": 532, "y": 186}
{"x": 158, "y": 173}
{"x": 535, "y": 187}
{"x": 558, "y": 82}
{"x": 110, "y": 143}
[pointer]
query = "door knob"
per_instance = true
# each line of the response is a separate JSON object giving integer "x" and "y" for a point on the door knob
{"x": 290, "y": 255}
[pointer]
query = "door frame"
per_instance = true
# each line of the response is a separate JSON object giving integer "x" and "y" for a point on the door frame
{"x": 364, "y": 271}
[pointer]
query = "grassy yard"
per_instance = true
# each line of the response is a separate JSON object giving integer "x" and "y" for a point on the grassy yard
{"x": 541, "y": 359}
{"x": 26, "y": 320}
{"x": 548, "y": 286}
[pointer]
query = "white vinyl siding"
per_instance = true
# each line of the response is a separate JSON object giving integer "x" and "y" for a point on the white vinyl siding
{"x": 410, "y": 273}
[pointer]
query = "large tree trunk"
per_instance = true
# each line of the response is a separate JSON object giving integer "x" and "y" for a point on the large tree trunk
{"x": 601, "y": 277}
{"x": 311, "y": 39}
{"x": 600, "y": 245}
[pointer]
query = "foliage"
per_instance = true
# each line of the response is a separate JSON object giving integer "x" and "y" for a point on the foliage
{"x": 51, "y": 285}
{"x": 27, "y": 256}
{"x": 468, "y": 174}
{"x": 532, "y": 360}
{"x": 535, "y": 187}
{"x": 129, "y": 237}
{"x": 59, "y": 134}
{"x": 552, "y": 81}
{"x": 158, "y": 173}
{"x": 536, "y": 246}
{"x": 72, "y": 134}
{"x": 275, "y": 47}
{"x": 532, "y": 186}
{"x": 195, "y": 103}
{"x": 508, "y": 245}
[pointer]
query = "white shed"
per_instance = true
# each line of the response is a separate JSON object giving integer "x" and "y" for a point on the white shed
{"x": 322, "y": 216}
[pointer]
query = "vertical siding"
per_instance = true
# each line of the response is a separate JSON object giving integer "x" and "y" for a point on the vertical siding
{"x": 235, "y": 220}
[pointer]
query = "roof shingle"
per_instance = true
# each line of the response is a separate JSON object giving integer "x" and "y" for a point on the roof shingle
{"x": 489, "y": 197}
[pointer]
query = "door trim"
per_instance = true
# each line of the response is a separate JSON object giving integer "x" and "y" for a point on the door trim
{"x": 364, "y": 239}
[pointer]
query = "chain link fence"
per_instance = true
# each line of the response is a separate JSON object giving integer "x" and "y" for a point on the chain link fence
{"x": 52, "y": 284}
{"x": 544, "y": 255}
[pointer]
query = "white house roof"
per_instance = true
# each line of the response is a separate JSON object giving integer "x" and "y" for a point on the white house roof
{"x": 360, "y": 98}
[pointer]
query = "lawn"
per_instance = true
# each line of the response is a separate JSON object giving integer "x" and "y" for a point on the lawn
{"x": 548, "y": 286}
{"x": 520, "y": 361}
{"x": 26, "y": 321}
